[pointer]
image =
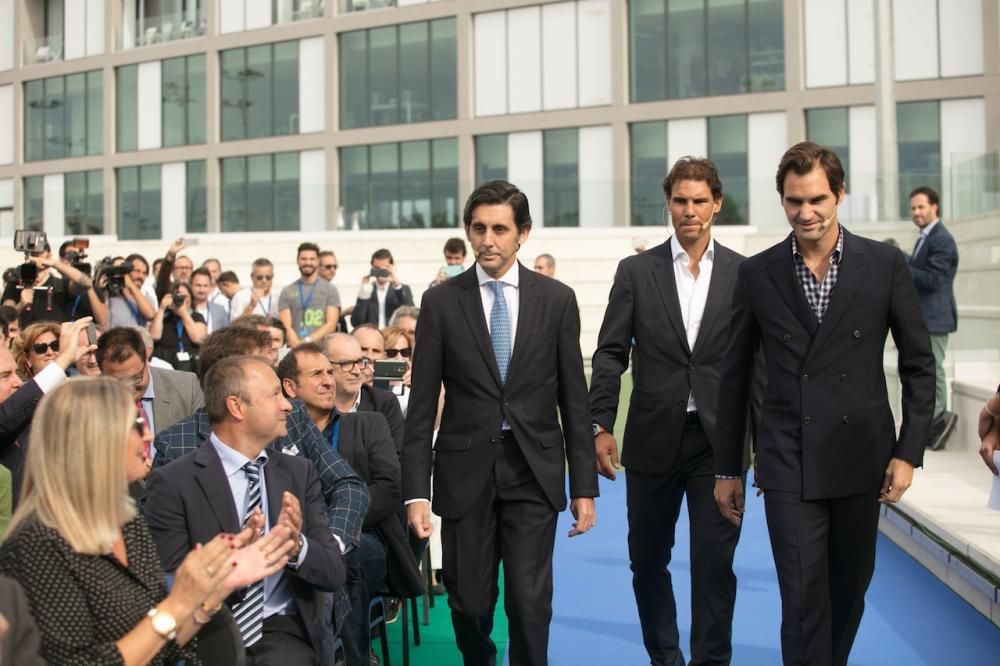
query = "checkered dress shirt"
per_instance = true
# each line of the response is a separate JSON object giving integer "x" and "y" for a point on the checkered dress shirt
{"x": 818, "y": 293}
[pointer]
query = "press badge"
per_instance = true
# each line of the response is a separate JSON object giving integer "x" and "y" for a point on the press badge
{"x": 183, "y": 356}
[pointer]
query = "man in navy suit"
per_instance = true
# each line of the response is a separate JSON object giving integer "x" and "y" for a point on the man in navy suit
{"x": 934, "y": 263}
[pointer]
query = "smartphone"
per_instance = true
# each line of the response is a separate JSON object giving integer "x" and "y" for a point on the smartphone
{"x": 380, "y": 272}
{"x": 390, "y": 369}
{"x": 453, "y": 270}
{"x": 91, "y": 334}
{"x": 190, "y": 242}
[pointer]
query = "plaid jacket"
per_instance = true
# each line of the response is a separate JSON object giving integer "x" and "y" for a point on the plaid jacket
{"x": 345, "y": 493}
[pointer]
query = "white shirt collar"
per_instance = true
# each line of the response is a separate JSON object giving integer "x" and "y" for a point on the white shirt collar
{"x": 511, "y": 277}
{"x": 677, "y": 251}
{"x": 232, "y": 460}
{"x": 927, "y": 230}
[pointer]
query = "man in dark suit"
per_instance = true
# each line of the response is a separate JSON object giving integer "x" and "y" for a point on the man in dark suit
{"x": 363, "y": 439}
{"x": 19, "y": 637}
{"x": 674, "y": 302}
{"x": 379, "y": 298}
{"x": 821, "y": 303}
{"x": 234, "y": 479}
{"x": 505, "y": 342}
{"x": 934, "y": 263}
{"x": 166, "y": 396}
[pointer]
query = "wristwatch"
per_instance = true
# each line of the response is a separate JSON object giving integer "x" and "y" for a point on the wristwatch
{"x": 163, "y": 623}
{"x": 598, "y": 429}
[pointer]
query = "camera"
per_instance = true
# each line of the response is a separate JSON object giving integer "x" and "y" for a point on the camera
{"x": 177, "y": 298}
{"x": 380, "y": 272}
{"x": 115, "y": 276}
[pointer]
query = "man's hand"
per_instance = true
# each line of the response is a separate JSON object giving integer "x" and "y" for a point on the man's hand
{"x": 989, "y": 435}
{"x": 729, "y": 497}
{"x": 607, "y": 454}
{"x": 291, "y": 517}
{"x": 27, "y": 297}
{"x": 70, "y": 350}
{"x": 583, "y": 511}
{"x": 175, "y": 247}
{"x": 393, "y": 279}
{"x": 419, "y": 517}
{"x": 898, "y": 477}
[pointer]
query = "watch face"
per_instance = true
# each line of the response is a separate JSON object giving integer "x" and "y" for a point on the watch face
{"x": 164, "y": 623}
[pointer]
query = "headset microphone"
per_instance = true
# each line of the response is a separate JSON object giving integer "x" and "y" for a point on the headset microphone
{"x": 825, "y": 224}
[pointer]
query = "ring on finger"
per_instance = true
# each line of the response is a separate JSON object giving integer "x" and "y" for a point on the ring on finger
{"x": 210, "y": 571}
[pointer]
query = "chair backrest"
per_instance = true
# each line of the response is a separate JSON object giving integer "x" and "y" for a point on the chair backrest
{"x": 219, "y": 641}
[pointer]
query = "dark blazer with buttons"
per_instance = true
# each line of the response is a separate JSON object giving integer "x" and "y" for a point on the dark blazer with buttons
{"x": 826, "y": 427}
{"x": 366, "y": 309}
{"x": 189, "y": 502}
{"x": 643, "y": 306}
{"x": 374, "y": 399}
{"x": 545, "y": 380}
{"x": 934, "y": 267}
{"x": 15, "y": 431}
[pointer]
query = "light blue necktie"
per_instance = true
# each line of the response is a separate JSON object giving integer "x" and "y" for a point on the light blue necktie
{"x": 500, "y": 329}
{"x": 249, "y": 613}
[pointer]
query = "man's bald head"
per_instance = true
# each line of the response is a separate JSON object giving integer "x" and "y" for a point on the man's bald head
{"x": 341, "y": 346}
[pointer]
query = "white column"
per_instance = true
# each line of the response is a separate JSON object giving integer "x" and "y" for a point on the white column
{"x": 6, "y": 35}
{"x": 74, "y": 29}
{"x": 594, "y": 52}
{"x": 766, "y": 143}
{"x": 312, "y": 85}
{"x": 312, "y": 190}
{"x": 258, "y": 14}
{"x": 129, "y": 25}
{"x": 860, "y": 41}
{"x": 95, "y": 27}
{"x": 596, "y": 177}
{"x": 559, "y": 69}
{"x": 961, "y": 37}
{"x": 915, "y": 36}
{"x": 826, "y": 43}
{"x": 232, "y": 15}
{"x": 54, "y": 205}
{"x": 524, "y": 60}
{"x": 525, "y": 169}
{"x": 862, "y": 204}
{"x": 688, "y": 136}
{"x": 173, "y": 200}
{"x": 148, "y": 106}
{"x": 7, "y": 124}
{"x": 6, "y": 208}
{"x": 490, "y": 45}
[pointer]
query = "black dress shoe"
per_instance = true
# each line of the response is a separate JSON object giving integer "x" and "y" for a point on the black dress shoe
{"x": 940, "y": 434}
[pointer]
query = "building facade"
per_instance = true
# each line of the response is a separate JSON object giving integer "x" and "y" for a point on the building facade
{"x": 149, "y": 119}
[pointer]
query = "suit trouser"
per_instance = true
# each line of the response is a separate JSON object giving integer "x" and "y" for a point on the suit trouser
{"x": 939, "y": 345}
{"x": 824, "y": 552}
{"x": 284, "y": 642}
{"x": 512, "y": 521}
{"x": 654, "y": 502}
{"x": 365, "y": 576}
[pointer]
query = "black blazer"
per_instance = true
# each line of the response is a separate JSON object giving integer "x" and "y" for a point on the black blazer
{"x": 374, "y": 399}
{"x": 189, "y": 502}
{"x": 826, "y": 427}
{"x": 934, "y": 268}
{"x": 643, "y": 306}
{"x": 544, "y": 380}
{"x": 366, "y": 309}
{"x": 365, "y": 443}
{"x": 15, "y": 430}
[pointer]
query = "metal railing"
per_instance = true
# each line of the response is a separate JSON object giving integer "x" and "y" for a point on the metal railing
{"x": 151, "y": 30}
{"x": 42, "y": 50}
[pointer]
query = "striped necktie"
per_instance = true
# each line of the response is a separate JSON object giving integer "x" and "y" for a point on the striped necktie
{"x": 249, "y": 613}
{"x": 500, "y": 329}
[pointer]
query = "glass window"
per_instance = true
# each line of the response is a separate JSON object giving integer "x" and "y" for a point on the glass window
{"x": 649, "y": 160}
{"x": 34, "y": 125}
{"x": 261, "y": 193}
{"x": 139, "y": 202}
{"x": 384, "y": 177}
{"x": 234, "y": 205}
{"x": 257, "y": 78}
{"x": 55, "y": 117}
{"x": 383, "y": 79}
{"x": 353, "y": 79}
{"x": 918, "y": 126}
{"x": 727, "y": 147}
{"x": 414, "y": 73}
{"x": 685, "y": 55}
{"x": 76, "y": 115}
{"x": 84, "y": 203}
{"x": 491, "y": 158}
{"x": 286, "y": 89}
{"x": 354, "y": 189}
{"x": 63, "y": 116}
{"x": 260, "y": 91}
{"x": 149, "y": 201}
{"x": 128, "y": 202}
{"x": 195, "y": 93}
{"x": 126, "y": 108}
{"x": 95, "y": 113}
{"x": 196, "y": 212}
{"x": 443, "y": 93}
{"x": 34, "y": 203}
{"x": 95, "y": 201}
{"x": 647, "y": 45}
{"x": 766, "y": 44}
{"x": 830, "y": 127}
{"x": 444, "y": 183}
{"x": 727, "y": 49}
{"x": 415, "y": 184}
{"x": 233, "y": 111}
{"x": 286, "y": 192}
{"x": 183, "y": 107}
{"x": 561, "y": 176}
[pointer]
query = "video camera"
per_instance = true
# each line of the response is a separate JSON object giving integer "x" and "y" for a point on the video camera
{"x": 76, "y": 253}
{"x": 115, "y": 276}
{"x": 29, "y": 242}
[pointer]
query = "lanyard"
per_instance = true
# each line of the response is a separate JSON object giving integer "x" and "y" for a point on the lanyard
{"x": 267, "y": 312}
{"x": 76, "y": 304}
{"x": 139, "y": 319}
{"x": 305, "y": 302}
{"x": 180, "y": 332}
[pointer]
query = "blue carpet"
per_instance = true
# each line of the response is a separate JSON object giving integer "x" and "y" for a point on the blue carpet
{"x": 911, "y": 617}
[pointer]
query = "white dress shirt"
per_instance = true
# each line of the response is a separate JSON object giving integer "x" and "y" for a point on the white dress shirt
{"x": 692, "y": 292}
{"x": 511, "y": 294}
{"x": 924, "y": 233}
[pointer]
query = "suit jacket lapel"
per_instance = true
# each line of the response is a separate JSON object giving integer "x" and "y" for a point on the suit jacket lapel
{"x": 277, "y": 479}
{"x": 724, "y": 266}
{"x": 214, "y": 484}
{"x": 472, "y": 307}
{"x": 786, "y": 282}
{"x": 663, "y": 276}
{"x": 850, "y": 275}
{"x": 161, "y": 401}
{"x": 526, "y": 312}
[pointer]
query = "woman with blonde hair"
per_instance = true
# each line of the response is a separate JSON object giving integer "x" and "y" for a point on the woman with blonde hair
{"x": 36, "y": 347}
{"x": 86, "y": 559}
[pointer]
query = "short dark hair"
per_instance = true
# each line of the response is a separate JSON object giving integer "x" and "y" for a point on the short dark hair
{"x": 226, "y": 378}
{"x": 118, "y": 344}
{"x": 227, "y": 276}
{"x": 803, "y": 157}
{"x": 289, "y": 366}
{"x": 264, "y": 261}
{"x": 326, "y": 253}
{"x": 132, "y": 258}
{"x": 201, "y": 271}
{"x": 230, "y": 341}
{"x": 211, "y": 260}
{"x": 274, "y": 322}
{"x": 62, "y": 248}
{"x": 931, "y": 195}
{"x": 382, "y": 253}
{"x": 499, "y": 192}
{"x": 455, "y": 246}
{"x": 307, "y": 247}
{"x": 8, "y": 314}
{"x": 699, "y": 169}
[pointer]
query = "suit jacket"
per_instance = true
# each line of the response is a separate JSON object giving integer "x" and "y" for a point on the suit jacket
{"x": 217, "y": 315}
{"x": 934, "y": 267}
{"x": 176, "y": 396}
{"x": 374, "y": 399}
{"x": 189, "y": 502}
{"x": 366, "y": 444}
{"x": 644, "y": 307}
{"x": 22, "y": 642}
{"x": 15, "y": 428}
{"x": 826, "y": 428}
{"x": 544, "y": 379}
{"x": 366, "y": 309}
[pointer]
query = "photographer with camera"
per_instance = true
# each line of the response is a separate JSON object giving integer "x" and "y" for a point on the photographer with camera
{"x": 128, "y": 304}
{"x": 177, "y": 329}
{"x": 376, "y": 302}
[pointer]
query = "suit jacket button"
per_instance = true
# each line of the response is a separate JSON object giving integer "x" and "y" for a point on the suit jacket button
{"x": 786, "y": 337}
{"x": 807, "y": 420}
{"x": 846, "y": 419}
{"x": 506, "y": 403}
{"x": 857, "y": 334}
{"x": 805, "y": 378}
{"x": 843, "y": 378}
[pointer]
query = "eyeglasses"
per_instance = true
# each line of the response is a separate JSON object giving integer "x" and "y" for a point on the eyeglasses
{"x": 405, "y": 353}
{"x": 333, "y": 266}
{"x": 41, "y": 347}
{"x": 347, "y": 366}
{"x": 265, "y": 278}
{"x": 140, "y": 425}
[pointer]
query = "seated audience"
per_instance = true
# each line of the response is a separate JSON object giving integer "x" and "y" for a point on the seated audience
{"x": 85, "y": 558}
{"x": 372, "y": 347}
{"x": 399, "y": 347}
{"x": 406, "y": 319}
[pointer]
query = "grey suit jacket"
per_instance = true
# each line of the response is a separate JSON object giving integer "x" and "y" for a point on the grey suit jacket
{"x": 20, "y": 646}
{"x": 176, "y": 396}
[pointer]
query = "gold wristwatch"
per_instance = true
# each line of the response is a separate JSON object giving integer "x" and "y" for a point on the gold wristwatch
{"x": 163, "y": 623}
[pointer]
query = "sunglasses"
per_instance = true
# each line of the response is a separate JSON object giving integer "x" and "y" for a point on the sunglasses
{"x": 333, "y": 266}
{"x": 405, "y": 353}
{"x": 41, "y": 347}
{"x": 263, "y": 277}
